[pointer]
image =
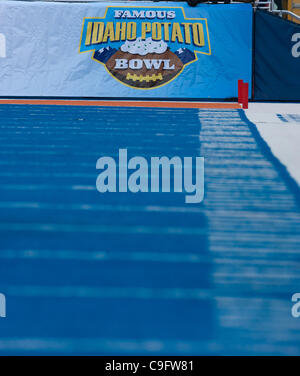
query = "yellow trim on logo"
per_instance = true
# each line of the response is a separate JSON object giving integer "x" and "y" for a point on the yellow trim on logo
{"x": 152, "y": 7}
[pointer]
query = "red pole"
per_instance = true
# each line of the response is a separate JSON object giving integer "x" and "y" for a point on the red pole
{"x": 240, "y": 91}
{"x": 245, "y": 95}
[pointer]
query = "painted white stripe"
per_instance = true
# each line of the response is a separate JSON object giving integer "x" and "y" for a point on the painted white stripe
{"x": 99, "y": 345}
{"x": 52, "y": 227}
{"x": 118, "y": 292}
{"x": 104, "y": 256}
{"x": 96, "y": 207}
{"x": 145, "y": 256}
{"x": 129, "y": 346}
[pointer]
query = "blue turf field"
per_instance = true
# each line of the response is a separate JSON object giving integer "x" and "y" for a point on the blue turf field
{"x": 86, "y": 273}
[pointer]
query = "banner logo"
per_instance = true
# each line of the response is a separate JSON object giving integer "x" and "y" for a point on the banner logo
{"x": 142, "y": 47}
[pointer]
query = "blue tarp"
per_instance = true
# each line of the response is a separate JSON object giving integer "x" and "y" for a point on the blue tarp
{"x": 144, "y": 273}
{"x": 277, "y": 58}
{"x": 122, "y": 50}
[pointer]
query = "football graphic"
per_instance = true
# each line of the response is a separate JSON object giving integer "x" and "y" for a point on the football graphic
{"x": 144, "y": 63}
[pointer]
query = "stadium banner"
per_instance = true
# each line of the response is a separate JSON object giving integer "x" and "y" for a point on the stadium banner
{"x": 277, "y": 58}
{"x": 153, "y": 50}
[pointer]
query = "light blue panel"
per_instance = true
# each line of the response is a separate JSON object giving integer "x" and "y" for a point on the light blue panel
{"x": 45, "y": 50}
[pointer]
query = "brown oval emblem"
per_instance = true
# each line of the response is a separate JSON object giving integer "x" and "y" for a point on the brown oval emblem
{"x": 143, "y": 64}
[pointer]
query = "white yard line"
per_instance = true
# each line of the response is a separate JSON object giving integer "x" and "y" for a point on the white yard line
{"x": 279, "y": 126}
